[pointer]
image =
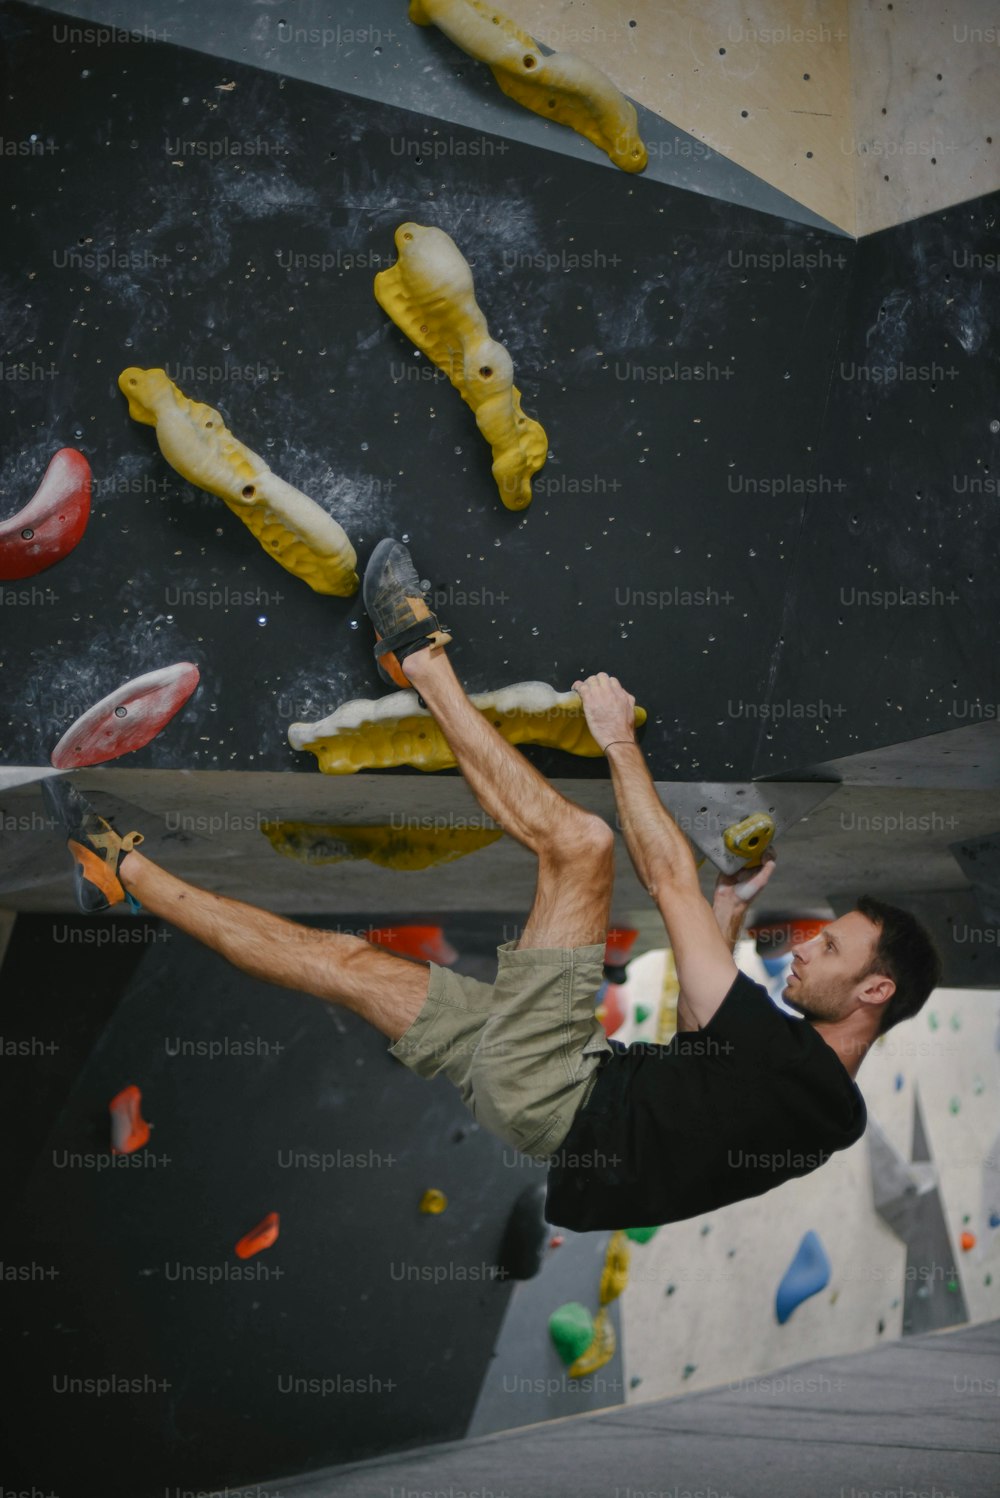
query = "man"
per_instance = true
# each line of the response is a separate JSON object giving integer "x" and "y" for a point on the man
{"x": 633, "y": 1136}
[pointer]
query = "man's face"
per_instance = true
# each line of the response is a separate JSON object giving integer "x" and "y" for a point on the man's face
{"x": 826, "y": 972}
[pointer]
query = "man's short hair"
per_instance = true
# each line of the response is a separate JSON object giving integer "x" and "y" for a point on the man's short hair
{"x": 905, "y": 953}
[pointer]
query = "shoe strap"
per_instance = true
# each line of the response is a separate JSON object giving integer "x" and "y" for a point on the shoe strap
{"x": 413, "y": 635}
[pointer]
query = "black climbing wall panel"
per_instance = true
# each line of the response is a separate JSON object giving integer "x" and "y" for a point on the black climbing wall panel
{"x": 260, "y": 1100}
{"x": 720, "y": 471}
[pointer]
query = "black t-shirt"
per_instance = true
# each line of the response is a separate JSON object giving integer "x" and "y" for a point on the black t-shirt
{"x": 719, "y": 1114}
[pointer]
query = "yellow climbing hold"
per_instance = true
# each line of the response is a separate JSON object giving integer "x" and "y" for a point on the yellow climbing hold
{"x": 614, "y": 1275}
{"x": 391, "y": 847}
{"x": 600, "y": 1351}
{"x": 292, "y": 528}
{"x": 429, "y": 294}
{"x": 394, "y": 730}
{"x": 433, "y": 1202}
{"x": 559, "y": 86}
{"x": 749, "y": 838}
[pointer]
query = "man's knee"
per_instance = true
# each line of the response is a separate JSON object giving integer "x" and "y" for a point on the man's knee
{"x": 582, "y": 839}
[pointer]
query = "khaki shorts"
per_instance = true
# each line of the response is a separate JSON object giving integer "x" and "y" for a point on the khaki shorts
{"x": 524, "y": 1051}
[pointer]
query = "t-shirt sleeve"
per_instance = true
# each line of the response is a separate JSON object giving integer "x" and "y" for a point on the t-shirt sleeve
{"x": 749, "y": 1018}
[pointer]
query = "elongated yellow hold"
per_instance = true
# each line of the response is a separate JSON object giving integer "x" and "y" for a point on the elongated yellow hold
{"x": 292, "y": 528}
{"x": 614, "y": 1275}
{"x": 429, "y": 294}
{"x": 559, "y": 86}
{"x": 600, "y": 1351}
{"x": 406, "y": 848}
{"x": 387, "y": 732}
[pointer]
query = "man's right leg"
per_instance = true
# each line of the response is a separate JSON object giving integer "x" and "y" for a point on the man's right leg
{"x": 575, "y": 849}
{"x": 535, "y": 1061}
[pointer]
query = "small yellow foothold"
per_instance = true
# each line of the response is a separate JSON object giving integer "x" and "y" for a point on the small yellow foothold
{"x": 429, "y": 294}
{"x": 600, "y": 1351}
{"x": 390, "y": 731}
{"x": 433, "y": 1202}
{"x": 559, "y": 86}
{"x": 292, "y": 528}
{"x": 749, "y": 838}
{"x": 614, "y": 1275}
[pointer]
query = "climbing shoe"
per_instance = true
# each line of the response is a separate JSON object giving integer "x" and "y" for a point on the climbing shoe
{"x": 96, "y": 848}
{"x": 395, "y": 604}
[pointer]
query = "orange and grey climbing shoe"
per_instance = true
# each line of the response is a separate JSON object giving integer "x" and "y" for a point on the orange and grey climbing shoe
{"x": 96, "y": 848}
{"x": 395, "y": 603}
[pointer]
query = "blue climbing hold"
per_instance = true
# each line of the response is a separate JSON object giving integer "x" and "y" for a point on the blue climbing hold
{"x": 807, "y": 1274}
{"x": 995, "y": 1219}
{"x": 899, "y": 1081}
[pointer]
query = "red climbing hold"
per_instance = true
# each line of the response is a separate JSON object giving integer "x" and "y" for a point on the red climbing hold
{"x": 611, "y": 1007}
{"x": 52, "y": 521}
{"x": 621, "y": 940}
{"x": 557, "y": 1241}
{"x": 129, "y": 1130}
{"x": 259, "y": 1238}
{"x": 427, "y": 943}
{"x": 127, "y": 718}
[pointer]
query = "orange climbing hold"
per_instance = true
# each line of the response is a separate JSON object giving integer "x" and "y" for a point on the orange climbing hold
{"x": 967, "y": 1242}
{"x": 260, "y": 1237}
{"x": 129, "y": 1130}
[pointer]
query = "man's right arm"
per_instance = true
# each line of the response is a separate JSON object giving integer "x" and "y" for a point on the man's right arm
{"x": 660, "y": 852}
{"x": 729, "y": 909}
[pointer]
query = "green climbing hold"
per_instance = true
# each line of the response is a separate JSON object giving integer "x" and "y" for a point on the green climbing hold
{"x": 978, "y": 1086}
{"x": 571, "y": 1328}
{"x": 641, "y": 1235}
{"x": 954, "y": 1106}
{"x": 670, "y": 1290}
{"x": 634, "y": 1381}
{"x": 956, "y": 1022}
{"x": 932, "y": 1020}
{"x": 642, "y": 1013}
{"x": 988, "y": 1279}
{"x": 689, "y": 1369}
{"x": 706, "y": 1228}
{"x": 953, "y": 1286}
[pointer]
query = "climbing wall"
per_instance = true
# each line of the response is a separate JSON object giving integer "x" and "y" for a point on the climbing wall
{"x": 767, "y": 503}
{"x": 760, "y": 433}
{"x": 368, "y": 1324}
{"x": 896, "y": 1236}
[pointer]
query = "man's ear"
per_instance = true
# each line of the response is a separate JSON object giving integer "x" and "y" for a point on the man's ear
{"x": 876, "y": 988}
